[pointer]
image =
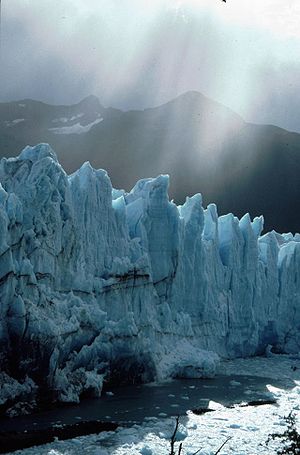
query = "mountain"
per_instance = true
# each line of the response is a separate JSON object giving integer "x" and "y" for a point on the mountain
{"x": 203, "y": 145}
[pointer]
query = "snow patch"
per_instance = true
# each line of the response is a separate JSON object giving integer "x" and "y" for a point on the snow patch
{"x": 76, "y": 129}
{"x": 67, "y": 119}
{"x": 11, "y": 123}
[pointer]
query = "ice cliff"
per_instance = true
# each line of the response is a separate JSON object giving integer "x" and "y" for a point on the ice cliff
{"x": 101, "y": 285}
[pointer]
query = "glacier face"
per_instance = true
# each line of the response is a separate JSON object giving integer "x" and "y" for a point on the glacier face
{"x": 97, "y": 284}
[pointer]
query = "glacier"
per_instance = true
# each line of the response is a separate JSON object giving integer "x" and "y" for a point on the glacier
{"x": 99, "y": 286}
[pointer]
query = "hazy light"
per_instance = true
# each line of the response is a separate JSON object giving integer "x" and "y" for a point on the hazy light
{"x": 135, "y": 53}
{"x": 279, "y": 17}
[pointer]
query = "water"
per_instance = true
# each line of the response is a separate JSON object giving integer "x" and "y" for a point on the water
{"x": 135, "y": 403}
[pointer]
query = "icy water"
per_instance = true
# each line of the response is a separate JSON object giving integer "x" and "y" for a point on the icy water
{"x": 136, "y": 403}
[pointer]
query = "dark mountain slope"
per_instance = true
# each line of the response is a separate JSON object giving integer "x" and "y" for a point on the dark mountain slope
{"x": 203, "y": 145}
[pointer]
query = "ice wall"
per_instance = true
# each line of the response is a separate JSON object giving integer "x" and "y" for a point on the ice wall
{"x": 101, "y": 285}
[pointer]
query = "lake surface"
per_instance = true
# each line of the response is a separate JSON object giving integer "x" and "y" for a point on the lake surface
{"x": 135, "y": 403}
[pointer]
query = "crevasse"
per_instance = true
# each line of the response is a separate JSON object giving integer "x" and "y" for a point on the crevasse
{"x": 98, "y": 284}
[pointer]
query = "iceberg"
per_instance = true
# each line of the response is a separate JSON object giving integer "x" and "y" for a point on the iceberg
{"x": 102, "y": 286}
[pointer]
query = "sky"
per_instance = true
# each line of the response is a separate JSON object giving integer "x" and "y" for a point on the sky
{"x": 135, "y": 54}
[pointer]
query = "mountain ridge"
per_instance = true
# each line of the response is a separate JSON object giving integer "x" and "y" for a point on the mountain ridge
{"x": 204, "y": 146}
